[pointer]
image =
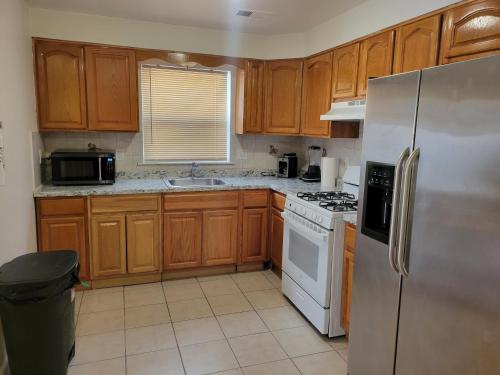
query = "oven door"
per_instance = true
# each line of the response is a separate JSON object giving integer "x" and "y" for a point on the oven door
{"x": 74, "y": 170}
{"x": 307, "y": 256}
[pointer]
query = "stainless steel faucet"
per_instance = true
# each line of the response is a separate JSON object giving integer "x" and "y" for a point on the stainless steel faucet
{"x": 194, "y": 165}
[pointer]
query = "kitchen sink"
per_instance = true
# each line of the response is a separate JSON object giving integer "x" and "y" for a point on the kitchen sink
{"x": 190, "y": 182}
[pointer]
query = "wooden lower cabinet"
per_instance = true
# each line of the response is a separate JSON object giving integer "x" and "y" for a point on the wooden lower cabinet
{"x": 254, "y": 235}
{"x": 182, "y": 234}
{"x": 66, "y": 233}
{"x": 143, "y": 243}
{"x": 276, "y": 234}
{"x": 347, "y": 275}
{"x": 220, "y": 237}
{"x": 109, "y": 252}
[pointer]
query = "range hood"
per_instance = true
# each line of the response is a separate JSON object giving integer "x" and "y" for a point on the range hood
{"x": 346, "y": 111}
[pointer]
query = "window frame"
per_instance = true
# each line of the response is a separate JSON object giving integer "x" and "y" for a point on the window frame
{"x": 231, "y": 92}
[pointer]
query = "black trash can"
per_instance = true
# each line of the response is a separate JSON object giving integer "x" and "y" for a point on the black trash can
{"x": 37, "y": 312}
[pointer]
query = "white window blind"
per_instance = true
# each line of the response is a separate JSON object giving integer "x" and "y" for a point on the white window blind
{"x": 185, "y": 114}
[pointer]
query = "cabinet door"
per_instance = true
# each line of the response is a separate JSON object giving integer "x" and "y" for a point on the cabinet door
{"x": 254, "y": 238}
{"x": 417, "y": 45}
{"x": 108, "y": 236}
{"x": 111, "y": 89}
{"x": 283, "y": 90}
{"x": 143, "y": 243}
{"x": 471, "y": 31}
{"x": 220, "y": 237}
{"x": 375, "y": 58}
{"x": 316, "y": 94}
{"x": 277, "y": 224}
{"x": 61, "y": 86}
{"x": 254, "y": 97}
{"x": 345, "y": 71}
{"x": 347, "y": 273}
{"x": 182, "y": 239}
{"x": 66, "y": 233}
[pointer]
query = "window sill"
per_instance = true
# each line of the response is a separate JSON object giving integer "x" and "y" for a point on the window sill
{"x": 187, "y": 163}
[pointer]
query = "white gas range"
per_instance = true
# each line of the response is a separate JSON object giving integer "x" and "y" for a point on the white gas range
{"x": 313, "y": 251}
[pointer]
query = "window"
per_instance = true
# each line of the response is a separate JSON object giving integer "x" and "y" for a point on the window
{"x": 185, "y": 114}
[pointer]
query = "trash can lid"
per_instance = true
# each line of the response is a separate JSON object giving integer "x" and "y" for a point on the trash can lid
{"x": 36, "y": 270}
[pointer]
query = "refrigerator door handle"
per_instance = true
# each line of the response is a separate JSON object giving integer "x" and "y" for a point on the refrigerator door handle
{"x": 395, "y": 209}
{"x": 405, "y": 203}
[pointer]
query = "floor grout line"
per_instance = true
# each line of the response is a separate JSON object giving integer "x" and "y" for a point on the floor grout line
{"x": 173, "y": 330}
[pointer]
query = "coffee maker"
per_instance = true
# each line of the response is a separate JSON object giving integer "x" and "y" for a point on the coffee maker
{"x": 313, "y": 173}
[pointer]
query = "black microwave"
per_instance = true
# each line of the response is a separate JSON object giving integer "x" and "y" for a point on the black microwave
{"x": 83, "y": 167}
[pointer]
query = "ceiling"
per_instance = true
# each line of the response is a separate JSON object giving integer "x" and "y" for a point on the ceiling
{"x": 270, "y": 17}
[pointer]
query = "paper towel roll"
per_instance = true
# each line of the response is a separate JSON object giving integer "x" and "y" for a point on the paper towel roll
{"x": 329, "y": 171}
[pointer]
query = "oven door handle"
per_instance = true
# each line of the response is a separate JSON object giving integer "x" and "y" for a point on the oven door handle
{"x": 306, "y": 232}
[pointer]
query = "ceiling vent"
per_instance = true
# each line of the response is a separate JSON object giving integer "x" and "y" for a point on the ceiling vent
{"x": 244, "y": 13}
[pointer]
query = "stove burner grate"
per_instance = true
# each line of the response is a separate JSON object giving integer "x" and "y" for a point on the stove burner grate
{"x": 326, "y": 196}
{"x": 339, "y": 206}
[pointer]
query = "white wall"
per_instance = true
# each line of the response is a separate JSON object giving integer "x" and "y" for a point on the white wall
{"x": 17, "y": 113}
{"x": 132, "y": 33}
{"x": 365, "y": 19}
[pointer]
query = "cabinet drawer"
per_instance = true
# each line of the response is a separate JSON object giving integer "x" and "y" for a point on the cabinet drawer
{"x": 196, "y": 201}
{"x": 278, "y": 200}
{"x": 350, "y": 237}
{"x": 254, "y": 198}
{"x": 61, "y": 206}
{"x": 125, "y": 203}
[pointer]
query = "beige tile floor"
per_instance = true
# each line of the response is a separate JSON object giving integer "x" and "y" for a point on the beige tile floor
{"x": 229, "y": 325}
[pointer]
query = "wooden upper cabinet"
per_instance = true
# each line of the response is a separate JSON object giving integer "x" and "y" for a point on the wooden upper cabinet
{"x": 254, "y": 236}
{"x": 111, "y": 89}
{"x": 316, "y": 94}
{"x": 61, "y": 86}
{"x": 254, "y": 97}
{"x": 417, "y": 45}
{"x": 143, "y": 243}
{"x": 182, "y": 233}
{"x": 220, "y": 237}
{"x": 345, "y": 72}
{"x": 283, "y": 90}
{"x": 375, "y": 58}
{"x": 66, "y": 233}
{"x": 109, "y": 246}
{"x": 471, "y": 30}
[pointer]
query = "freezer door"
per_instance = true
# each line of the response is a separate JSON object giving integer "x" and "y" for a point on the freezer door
{"x": 388, "y": 130}
{"x": 450, "y": 303}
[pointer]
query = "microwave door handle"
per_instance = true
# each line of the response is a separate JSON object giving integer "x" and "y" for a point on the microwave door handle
{"x": 395, "y": 209}
{"x": 408, "y": 176}
{"x": 100, "y": 168}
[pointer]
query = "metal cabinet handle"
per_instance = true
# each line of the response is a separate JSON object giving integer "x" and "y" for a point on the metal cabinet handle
{"x": 395, "y": 208}
{"x": 405, "y": 203}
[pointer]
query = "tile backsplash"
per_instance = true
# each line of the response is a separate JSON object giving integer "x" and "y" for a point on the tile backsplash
{"x": 249, "y": 153}
{"x": 347, "y": 149}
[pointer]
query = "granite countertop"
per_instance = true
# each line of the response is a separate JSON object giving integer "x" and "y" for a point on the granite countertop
{"x": 157, "y": 185}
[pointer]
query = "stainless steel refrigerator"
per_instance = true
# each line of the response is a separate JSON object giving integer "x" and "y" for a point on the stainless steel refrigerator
{"x": 426, "y": 294}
